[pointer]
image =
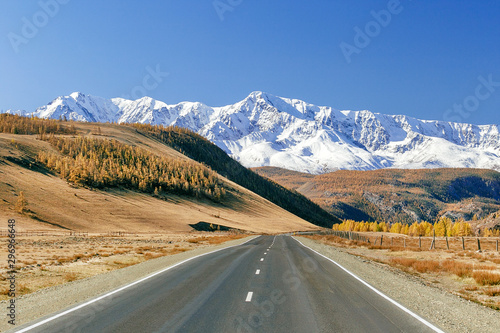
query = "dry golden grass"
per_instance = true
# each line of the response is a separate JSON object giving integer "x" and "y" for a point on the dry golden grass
{"x": 54, "y": 259}
{"x": 214, "y": 240}
{"x": 486, "y": 277}
{"x": 492, "y": 291}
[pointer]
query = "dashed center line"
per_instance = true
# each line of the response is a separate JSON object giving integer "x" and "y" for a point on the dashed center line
{"x": 257, "y": 272}
{"x": 249, "y": 296}
{"x": 261, "y": 259}
{"x": 265, "y": 252}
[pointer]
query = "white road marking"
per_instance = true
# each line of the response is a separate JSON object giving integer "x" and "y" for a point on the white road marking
{"x": 265, "y": 252}
{"x": 414, "y": 315}
{"x": 249, "y": 296}
{"x": 40, "y": 323}
{"x": 261, "y": 259}
{"x": 257, "y": 272}
{"x": 272, "y": 242}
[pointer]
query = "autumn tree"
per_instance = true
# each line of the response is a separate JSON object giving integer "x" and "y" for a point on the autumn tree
{"x": 21, "y": 203}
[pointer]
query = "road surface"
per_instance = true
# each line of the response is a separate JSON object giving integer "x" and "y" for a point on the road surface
{"x": 269, "y": 284}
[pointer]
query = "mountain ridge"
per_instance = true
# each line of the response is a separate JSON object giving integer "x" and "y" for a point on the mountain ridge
{"x": 267, "y": 130}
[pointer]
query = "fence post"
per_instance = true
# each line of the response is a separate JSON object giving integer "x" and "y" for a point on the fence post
{"x": 420, "y": 242}
{"x": 497, "y": 245}
{"x": 381, "y": 239}
{"x": 404, "y": 243}
{"x": 478, "y": 245}
{"x": 463, "y": 243}
{"x": 447, "y": 245}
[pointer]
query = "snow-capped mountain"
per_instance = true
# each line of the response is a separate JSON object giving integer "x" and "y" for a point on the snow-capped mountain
{"x": 266, "y": 130}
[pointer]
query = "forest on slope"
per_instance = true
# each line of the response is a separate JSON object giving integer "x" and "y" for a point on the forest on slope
{"x": 200, "y": 149}
{"x": 395, "y": 195}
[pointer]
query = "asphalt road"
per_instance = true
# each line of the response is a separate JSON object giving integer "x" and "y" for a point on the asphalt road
{"x": 269, "y": 284}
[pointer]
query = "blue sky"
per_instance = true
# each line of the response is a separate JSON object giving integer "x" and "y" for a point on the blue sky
{"x": 427, "y": 59}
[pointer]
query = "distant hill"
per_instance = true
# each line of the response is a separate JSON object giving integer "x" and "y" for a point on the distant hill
{"x": 397, "y": 195}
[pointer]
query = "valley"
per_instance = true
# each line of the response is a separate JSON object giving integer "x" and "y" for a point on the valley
{"x": 405, "y": 196}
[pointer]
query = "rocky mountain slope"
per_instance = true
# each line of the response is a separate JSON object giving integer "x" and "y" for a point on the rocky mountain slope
{"x": 266, "y": 130}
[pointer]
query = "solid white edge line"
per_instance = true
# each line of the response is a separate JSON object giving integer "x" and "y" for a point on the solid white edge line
{"x": 249, "y": 296}
{"x": 123, "y": 288}
{"x": 414, "y": 315}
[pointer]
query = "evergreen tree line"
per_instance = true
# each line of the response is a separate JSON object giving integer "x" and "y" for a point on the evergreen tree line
{"x": 14, "y": 124}
{"x": 102, "y": 163}
{"x": 200, "y": 149}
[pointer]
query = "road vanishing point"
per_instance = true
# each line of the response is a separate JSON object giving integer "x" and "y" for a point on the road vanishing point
{"x": 268, "y": 284}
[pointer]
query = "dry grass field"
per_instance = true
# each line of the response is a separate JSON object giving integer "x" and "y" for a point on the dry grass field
{"x": 471, "y": 274}
{"x": 57, "y": 258}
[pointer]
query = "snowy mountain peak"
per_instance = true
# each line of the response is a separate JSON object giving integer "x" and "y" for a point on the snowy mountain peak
{"x": 267, "y": 130}
{"x": 77, "y": 95}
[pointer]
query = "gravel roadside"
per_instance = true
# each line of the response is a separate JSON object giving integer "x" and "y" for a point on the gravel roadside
{"x": 451, "y": 313}
{"x": 55, "y": 299}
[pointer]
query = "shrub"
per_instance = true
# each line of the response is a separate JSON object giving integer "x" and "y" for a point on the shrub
{"x": 492, "y": 291}
{"x": 486, "y": 277}
{"x": 458, "y": 268}
{"x": 71, "y": 276}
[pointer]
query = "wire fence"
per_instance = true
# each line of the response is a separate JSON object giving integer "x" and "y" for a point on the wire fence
{"x": 421, "y": 243}
{"x": 69, "y": 233}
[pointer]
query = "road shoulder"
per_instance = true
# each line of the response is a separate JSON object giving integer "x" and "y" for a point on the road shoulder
{"x": 55, "y": 299}
{"x": 450, "y": 312}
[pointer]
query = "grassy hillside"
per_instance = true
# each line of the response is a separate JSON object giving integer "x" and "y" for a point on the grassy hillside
{"x": 398, "y": 195}
{"x": 107, "y": 177}
{"x": 202, "y": 150}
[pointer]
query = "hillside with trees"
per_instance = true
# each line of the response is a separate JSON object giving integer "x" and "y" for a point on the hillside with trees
{"x": 101, "y": 163}
{"x": 394, "y": 195}
{"x": 200, "y": 149}
{"x": 102, "y": 176}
